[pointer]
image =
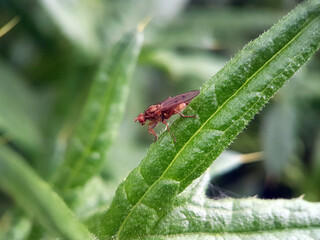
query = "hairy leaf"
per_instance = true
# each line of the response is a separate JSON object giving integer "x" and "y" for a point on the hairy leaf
{"x": 195, "y": 216}
{"x": 225, "y": 105}
{"x": 37, "y": 198}
{"x": 102, "y": 114}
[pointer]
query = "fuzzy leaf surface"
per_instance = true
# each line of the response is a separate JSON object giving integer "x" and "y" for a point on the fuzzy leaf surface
{"x": 225, "y": 105}
{"x": 196, "y": 217}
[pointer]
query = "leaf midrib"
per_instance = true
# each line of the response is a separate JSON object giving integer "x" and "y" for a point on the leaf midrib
{"x": 307, "y": 23}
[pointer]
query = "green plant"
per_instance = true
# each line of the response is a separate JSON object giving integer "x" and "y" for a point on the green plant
{"x": 163, "y": 198}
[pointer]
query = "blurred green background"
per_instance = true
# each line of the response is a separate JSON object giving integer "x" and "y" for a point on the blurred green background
{"x": 49, "y": 58}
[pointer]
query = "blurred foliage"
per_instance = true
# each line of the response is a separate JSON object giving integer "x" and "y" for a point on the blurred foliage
{"x": 50, "y": 58}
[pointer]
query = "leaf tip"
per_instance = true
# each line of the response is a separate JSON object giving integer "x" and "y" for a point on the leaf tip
{"x": 11, "y": 24}
{"x": 144, "y": 23}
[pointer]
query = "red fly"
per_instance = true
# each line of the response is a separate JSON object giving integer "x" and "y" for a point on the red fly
{"x": 164, "y": 110}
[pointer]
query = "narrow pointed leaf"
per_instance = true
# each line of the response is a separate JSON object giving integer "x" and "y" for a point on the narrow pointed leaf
{"x": 102, "y": 114}
{"x": 225, "y": 105}
{"x": 37, "y": 198}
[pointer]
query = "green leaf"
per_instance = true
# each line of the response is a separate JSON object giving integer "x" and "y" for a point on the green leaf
{"x": 37, "y": 198}
{"x": 225, "y": 105}
{"x": 102, "y": 114}
{"x": 196, "y": 217}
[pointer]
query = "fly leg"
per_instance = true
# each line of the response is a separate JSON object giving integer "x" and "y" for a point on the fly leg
{"x": 182, "y": 115}
{"x": 150, "y": 130}
{"x": 169, "y": 130}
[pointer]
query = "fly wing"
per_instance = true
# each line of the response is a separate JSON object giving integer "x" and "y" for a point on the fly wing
{"x": 182, "y": 98}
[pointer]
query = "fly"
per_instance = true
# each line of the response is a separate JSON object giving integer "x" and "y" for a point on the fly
{"x": 164, "y": 110}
